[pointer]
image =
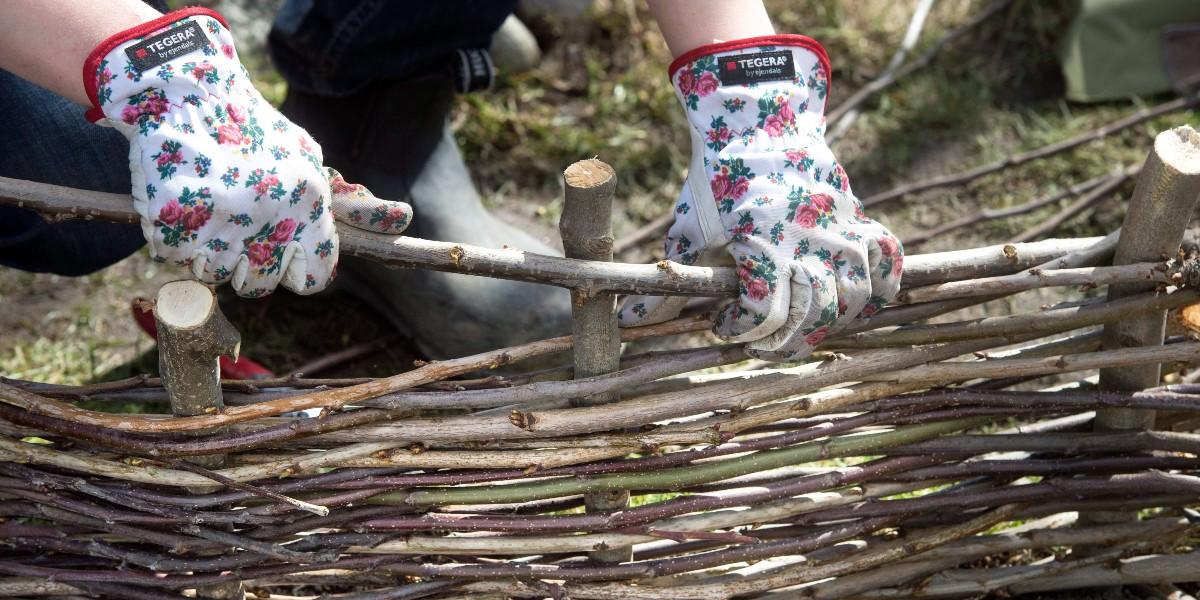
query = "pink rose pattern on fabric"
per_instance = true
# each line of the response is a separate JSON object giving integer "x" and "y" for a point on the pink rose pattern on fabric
{"x": 237, "y": 202}
{"x": 220, "y": 174}
{"x": 791, "y": 223}
{"x": 356, "y": 205}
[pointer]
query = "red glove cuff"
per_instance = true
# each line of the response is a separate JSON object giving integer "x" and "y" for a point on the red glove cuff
{"x": 790, "y": 40}
{"x": 91, "y": 81}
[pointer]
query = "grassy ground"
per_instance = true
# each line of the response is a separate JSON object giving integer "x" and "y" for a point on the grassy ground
{"x": 602, "y": 91}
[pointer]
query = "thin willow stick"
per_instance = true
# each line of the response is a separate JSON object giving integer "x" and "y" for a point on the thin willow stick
{"x": 574, "y": 388}
{"x": 681, "y": 477}
{"x": 1008, "y": 367}
{"x": 844, "y": 115}
{"x": 315, "y": 509}
{"x": 722, "y": 519}
{"x": 1098, "y": 253}
{"x": 990, "y": 214}
{"x": 329, "y": 399}
{"x": 1137, "y": 118}
{"x": 1134, "y": 441}
{"x": 798, "y": 574}
{"x": 664, "y": 277}
{"x": 534, "y": 460}
{"x": 1045, "y": 322}
{"x": 1177, "y": 568}
{"x": 882, "y": 83}
{"x": 1155, "y": 272}
{"x": 645, "y": 233}
{"x": 987, "y": 261}
{"x": 12, "y": 450}
{"x": 1049, "y": 225}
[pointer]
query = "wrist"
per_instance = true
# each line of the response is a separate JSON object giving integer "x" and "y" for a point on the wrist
{"x": 46, "y": 41}
{"x": 688, "y": 24}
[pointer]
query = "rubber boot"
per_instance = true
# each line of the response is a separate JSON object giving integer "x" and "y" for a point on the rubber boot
{"x": 395, "y": 139}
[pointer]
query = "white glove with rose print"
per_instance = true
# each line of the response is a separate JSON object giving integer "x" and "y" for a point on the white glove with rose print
{"x": 764, "y": 189}
{"x": 224, "y": 183}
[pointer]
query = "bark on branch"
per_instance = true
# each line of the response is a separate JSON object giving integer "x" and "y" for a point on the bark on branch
{"x": 664, "y": 277}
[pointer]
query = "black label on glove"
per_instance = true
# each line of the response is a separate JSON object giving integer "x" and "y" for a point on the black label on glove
{"x": 173, "y": 43}
{"x": 741, "y": 69}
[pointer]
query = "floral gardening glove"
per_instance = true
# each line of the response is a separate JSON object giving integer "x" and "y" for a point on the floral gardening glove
{"x": 764, "y": 189}
{"x": 224, "y": 183}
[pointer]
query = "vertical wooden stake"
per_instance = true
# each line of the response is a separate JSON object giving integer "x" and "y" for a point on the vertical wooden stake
{"x": 586, "y": 229}
{"x": 1158, "y": 213}
{"x": 192, "y": 336}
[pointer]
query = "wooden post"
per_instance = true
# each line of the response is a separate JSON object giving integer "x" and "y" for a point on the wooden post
{"x": 586, "y": 229}
{"x": 192, "y": 335}
{"x": 1158, "y": 213}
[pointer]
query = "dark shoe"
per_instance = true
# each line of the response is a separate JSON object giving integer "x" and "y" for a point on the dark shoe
{"x": 395, "y": 139}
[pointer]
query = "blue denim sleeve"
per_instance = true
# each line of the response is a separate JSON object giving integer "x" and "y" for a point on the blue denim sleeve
{"x": 338, "y": 47}
{"x": 53, "y": 143}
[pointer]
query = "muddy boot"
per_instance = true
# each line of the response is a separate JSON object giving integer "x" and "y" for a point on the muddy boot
{"x": 395, "y": 139}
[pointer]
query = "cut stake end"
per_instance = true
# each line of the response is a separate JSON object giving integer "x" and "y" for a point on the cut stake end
{"x": 587, "y": 174}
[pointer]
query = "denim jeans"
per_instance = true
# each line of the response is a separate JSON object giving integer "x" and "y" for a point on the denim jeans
{"x": 325, "y": 47}
{"x": 337, "y": 47}
{"x": 48, "y": 140}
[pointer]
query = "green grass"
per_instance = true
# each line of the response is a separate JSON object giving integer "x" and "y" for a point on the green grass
{"x": 71, "y": 330}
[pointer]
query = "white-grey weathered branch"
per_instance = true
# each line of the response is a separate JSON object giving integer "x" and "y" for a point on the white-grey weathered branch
{"x": 664, "y": 277}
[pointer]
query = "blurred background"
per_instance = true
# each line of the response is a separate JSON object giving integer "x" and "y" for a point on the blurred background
{"x": 588, "y": 78}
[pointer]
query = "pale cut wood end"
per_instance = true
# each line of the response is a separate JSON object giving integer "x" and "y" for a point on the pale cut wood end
{"x": 184, "y": 304}
{"x": 1179, "y": 148}
{"x": 590, "y": 173}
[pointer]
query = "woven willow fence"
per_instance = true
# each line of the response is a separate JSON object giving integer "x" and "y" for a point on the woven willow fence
{"x": 904, "y": 459}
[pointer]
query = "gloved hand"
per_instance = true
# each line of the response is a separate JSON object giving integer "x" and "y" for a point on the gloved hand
{"x": 224, "y": 183}
{"x": 764, "y": 189}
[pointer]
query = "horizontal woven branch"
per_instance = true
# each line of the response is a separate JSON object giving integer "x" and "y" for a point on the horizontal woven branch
{"x": 664, "y": 277}
{"x": 401, "y": 484}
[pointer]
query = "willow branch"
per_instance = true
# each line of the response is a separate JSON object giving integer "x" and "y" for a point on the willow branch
{"x": 257, "y": 491}
{"x": 990, "y": 214}
{"x": 1045, "y": 322}
{"x": 1176, "y": 568}
{"x": 1137, "y": 118}
{"x": 1049, "y": 225}
{"x": 844, "y": 115}
{"x": 1038, "y": 278}
{"x": 329, "y": 399}
{"x": 664, "y": 277}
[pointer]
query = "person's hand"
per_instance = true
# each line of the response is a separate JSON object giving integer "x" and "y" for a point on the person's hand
{"x": 764, "y": 189}
{"x": 224, "y": 183}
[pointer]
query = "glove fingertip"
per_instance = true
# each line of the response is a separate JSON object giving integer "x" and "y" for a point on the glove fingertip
{"x": 240, "y": 272}
{"x": 397, "y": 217}
{"x": 295, "y": 268}
{"x": 886, "y": 263}
{"x": 356, "y": 206}
{"x": 199, "y": 265}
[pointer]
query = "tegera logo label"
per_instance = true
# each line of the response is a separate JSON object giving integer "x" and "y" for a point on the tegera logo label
{"x": 755, "y": 68}
{"x": 174, "y": 42}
